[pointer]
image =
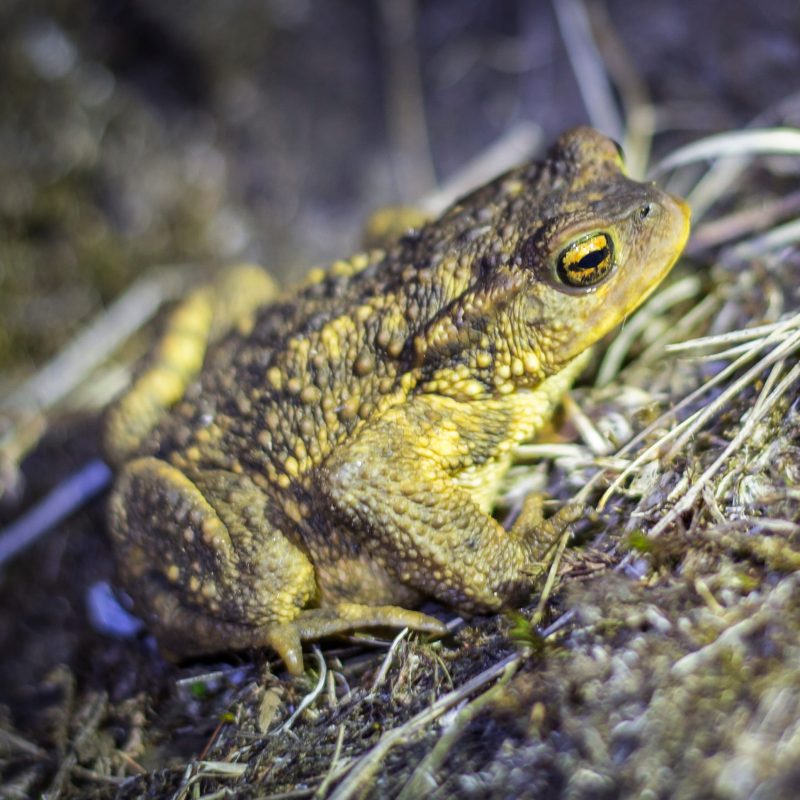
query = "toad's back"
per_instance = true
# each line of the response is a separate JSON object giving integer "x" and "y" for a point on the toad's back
{"x": 276, "y": 395}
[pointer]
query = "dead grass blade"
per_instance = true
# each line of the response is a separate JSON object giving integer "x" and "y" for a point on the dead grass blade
{"x": 588, "y": 66}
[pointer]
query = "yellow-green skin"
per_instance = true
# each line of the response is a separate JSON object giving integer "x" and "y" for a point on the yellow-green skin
{"x": 298, "y": 465}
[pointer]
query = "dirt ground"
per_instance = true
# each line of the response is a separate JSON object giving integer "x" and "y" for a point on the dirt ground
{"x": 140, "y": 140}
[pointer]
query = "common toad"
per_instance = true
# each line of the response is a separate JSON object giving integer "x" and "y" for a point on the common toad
{"x": 299, "y": 464}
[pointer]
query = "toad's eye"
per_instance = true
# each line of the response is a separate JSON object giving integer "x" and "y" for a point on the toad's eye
{"x": 587, "y": 261}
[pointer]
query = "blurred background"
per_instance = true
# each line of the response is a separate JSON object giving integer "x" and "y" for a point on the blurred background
{"x": 141, "y": 133}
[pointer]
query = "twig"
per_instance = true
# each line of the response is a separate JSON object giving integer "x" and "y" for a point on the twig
{"x": 633, "y": 92}
{"x": 773, "y": 357}
{"x": 756, "y": 414}
{"x": 405, "y": 104}
{"x": 13, "y": 741}
{"x": 97, "y": 777}
{"x": 678, "y": 292}
{"x": 544, "y": 450}
{"x": 696, "y": 315}
{"x": 100, "y": 338}
{"x": 684, "y": 430}
{"x": 29, "y": 403}
{"x": 62, "y": 501}
{"x": 551, "y": 576}
{"x": 779, "y": 328}
{"x": 734, "y": 148}
{"x": 422, "y": 782}
{"x": 196, "y": 770}
{"x": 94, "y": 711}
{"x": 587, "y": 64}
{"x": 387, "y": 661}
{"x": 322, "y": 790}
{"x": 365, "y": 767}
{"x": 224, "y": 769}
{"x": 311, "y": 696}
{"x": 211, "y": 739}
{"x": 595, "y": 441}
{"x": 558, "y": 624}
{"x": 515, "y": 145}
{"x": 727, "y": 479}
{"x": 755, "y": 141}
{"x": 741, "y": 223}
{"x": 370, "y": 762}
{"x": 780, "y": 236}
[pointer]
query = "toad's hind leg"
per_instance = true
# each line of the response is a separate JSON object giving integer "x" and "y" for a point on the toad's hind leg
{"x": 205, "y": 566}
{"x": 209, "y": 571}
{"x": 203, "y": 317}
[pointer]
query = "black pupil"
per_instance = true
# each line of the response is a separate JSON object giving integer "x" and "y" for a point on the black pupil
{"x": 593, "y": 259}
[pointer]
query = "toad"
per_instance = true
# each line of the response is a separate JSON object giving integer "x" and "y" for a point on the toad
{"x": 297, "y": 464}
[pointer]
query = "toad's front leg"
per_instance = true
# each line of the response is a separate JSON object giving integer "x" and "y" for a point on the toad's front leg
{"x": 396, "y": 486}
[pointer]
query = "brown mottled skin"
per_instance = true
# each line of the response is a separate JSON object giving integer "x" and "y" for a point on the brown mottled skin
{"x": 296, "y": 465}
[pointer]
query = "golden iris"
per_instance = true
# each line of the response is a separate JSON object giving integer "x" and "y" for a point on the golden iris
{"x": 587, "y": 261}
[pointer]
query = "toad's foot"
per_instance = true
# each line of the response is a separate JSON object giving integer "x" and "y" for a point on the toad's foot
{"x": 315, "y": 623}
{"x": 546, "y": 533}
